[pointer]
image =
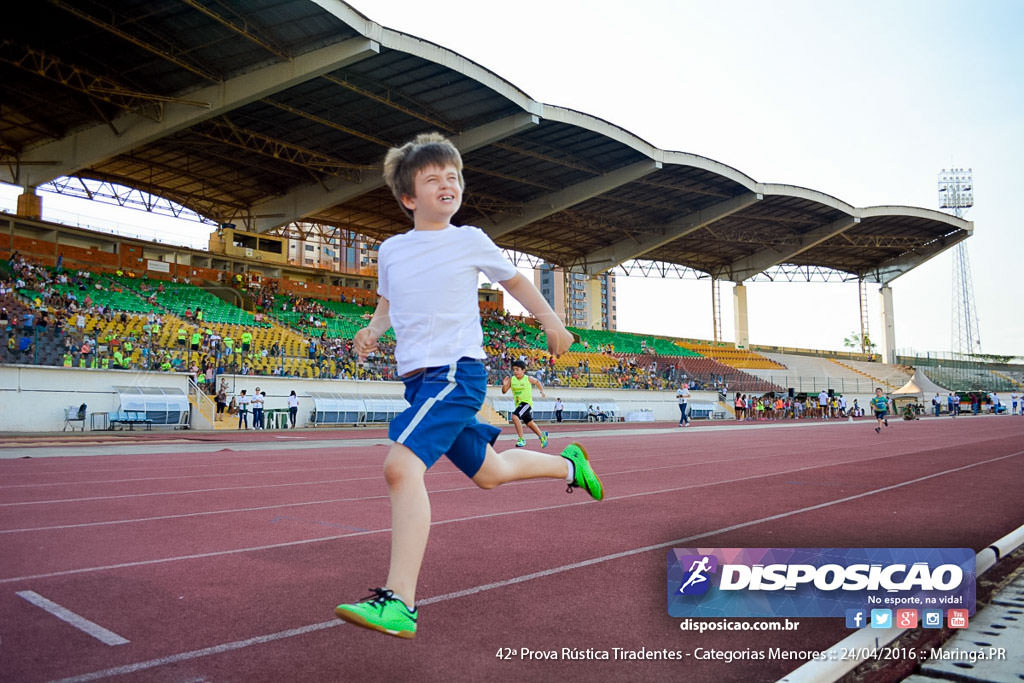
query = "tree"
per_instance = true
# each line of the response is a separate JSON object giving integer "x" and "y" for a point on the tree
{"x": 865, "y": 344}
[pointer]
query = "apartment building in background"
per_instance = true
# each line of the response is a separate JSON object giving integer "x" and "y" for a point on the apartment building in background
{"x": 586, "y": 301}
{"x": 345, "y": 252}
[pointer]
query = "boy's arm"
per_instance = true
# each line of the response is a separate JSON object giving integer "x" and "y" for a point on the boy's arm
{"x": 559, "y": 338}
{"x": 540, "y": 387}
{"x": 506, "y": 384}
{"x": 365, "y": 340}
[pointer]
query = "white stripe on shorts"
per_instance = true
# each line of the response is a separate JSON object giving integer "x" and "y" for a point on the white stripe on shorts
{"x": 422, "y": 412}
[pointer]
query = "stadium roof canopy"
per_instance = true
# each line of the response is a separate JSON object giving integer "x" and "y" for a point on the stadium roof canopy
{"x": 266, "y": 112}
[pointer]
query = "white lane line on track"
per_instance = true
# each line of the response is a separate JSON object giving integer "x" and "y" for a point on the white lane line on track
{"x": 254, "y": 447}
{"x": 431, "y": 473}
{"x": 302, "y": 630}
{"x": 136, "y": 480}
{"x": 376, "y": 477}
{"x": 351, "y": 500}
{"x": 310, "y": 483}
{"x": 101, "y": 634}
{"x": 205, "y": 652}
{"x": 208, "y": 447}
{"x": 506, "y": 513}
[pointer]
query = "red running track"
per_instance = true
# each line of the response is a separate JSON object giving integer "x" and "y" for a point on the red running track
{"x": 223, "y": 559}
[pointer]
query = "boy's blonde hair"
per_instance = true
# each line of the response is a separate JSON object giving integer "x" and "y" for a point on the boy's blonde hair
{"x": 403, "y": 163}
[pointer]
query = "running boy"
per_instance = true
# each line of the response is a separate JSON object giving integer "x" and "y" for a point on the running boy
{"x": 522, "y": 394}
{"x": 880, "y": 404}
{"x": 427, "y": 283}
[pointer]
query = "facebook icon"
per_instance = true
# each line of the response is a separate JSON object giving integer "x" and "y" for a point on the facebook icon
{"x": 856, "y": 618}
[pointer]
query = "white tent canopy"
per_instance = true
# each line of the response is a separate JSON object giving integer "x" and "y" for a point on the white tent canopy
{"x": 920, "y": 385}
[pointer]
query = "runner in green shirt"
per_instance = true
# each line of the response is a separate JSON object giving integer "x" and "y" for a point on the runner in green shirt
{"x": 880, "y": 404}
{"x": 522, "y": 395}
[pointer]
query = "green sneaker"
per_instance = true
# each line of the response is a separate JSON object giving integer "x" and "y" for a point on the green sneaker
{"x": 382, "y": 612}
{"x": 520, "y": 443}
{"x": 544, "y": 440}
{"x": 583, "y": 474}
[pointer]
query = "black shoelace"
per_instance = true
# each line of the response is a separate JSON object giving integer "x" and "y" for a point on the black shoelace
{"x": 379, "y": 596}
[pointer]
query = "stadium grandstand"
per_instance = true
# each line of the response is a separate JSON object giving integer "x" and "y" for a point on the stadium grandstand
{"x": 283, "y": 127}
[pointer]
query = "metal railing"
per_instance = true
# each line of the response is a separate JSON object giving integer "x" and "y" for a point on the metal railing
{"x": 203, "y": 403}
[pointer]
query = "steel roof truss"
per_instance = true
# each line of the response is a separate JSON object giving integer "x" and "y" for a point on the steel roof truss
{"x": 95, "y": 144}
{"x": 630, "y": 248}
{"x": 893, "y": 268}
{"x": 567, "y": 197}
{"x": 310, "y": 199}
{"x": 748, "y": 266}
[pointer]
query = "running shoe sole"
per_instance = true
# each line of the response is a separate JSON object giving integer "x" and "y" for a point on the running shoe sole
{"x": 359, "y": 620}
{"x": 356, "y": 619}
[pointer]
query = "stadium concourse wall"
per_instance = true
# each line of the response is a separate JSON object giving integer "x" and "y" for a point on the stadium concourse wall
{"x": 34, "y": 398}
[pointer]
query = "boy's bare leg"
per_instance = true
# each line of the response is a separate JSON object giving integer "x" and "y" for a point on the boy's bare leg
{"x": 499, "y": 468}
{"x": 410, "y": 520}
{"x": 536, "y": 430}
{"x": 518, "y": 424}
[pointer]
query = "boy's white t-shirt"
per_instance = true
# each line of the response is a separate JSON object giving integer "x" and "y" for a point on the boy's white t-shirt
{"x": 429, "y": 278}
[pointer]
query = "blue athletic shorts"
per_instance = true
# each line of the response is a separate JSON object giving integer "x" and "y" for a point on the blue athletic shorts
{"x": 441, "y": 418}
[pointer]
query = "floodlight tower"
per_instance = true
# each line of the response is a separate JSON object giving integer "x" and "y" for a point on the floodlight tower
{"x": 956, "y": 192}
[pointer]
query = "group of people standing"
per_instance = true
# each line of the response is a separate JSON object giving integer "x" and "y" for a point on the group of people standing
{"x": 245, "y": 402}
{"x": 824, "y": 405}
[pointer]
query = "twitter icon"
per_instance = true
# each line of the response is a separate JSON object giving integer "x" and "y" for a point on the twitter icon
{"x": 881, "y": 618}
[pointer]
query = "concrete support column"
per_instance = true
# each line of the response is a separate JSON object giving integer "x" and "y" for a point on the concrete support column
{"x": 739, "y": 307}
{"x": 888, "y": 325}
{"x": 30, "y": 205}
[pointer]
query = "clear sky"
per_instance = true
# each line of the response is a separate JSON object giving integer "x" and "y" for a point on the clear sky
{"x": 865, "y": 101}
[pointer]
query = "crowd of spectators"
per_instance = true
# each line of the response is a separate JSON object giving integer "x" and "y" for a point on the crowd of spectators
{"x": 43, "y": 308}
{"x": 773, "y": 406}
